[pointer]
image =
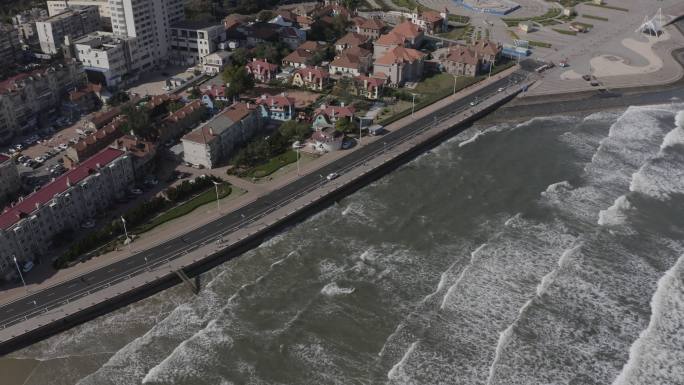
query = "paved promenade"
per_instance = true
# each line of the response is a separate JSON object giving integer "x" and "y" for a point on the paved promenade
{"x": 208, "y": 231}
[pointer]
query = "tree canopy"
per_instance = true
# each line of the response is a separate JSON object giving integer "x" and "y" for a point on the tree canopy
{"x": 138, "y": 123}
{"x": 238, "y": 80}
{"x": 292, "y": 130}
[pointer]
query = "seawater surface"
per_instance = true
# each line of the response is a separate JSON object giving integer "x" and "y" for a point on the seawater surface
{"x": 542, "y": 252}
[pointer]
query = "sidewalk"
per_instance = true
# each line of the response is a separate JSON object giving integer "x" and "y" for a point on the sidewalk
{"x": 208, "y": 213}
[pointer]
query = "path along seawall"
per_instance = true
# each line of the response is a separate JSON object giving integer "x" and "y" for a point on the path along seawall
{"x": 161, "y": 275}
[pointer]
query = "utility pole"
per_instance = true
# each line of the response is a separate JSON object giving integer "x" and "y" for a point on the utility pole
{"x": 455, "y": 82}
{"x": 218, "y": 204}
{"x": 413, "y": 103}
{"x": 298, "y": 171}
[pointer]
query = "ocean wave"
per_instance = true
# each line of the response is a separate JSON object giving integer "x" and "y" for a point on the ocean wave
{"x": 656, "y": 357}
{"x": 332, "y": 290}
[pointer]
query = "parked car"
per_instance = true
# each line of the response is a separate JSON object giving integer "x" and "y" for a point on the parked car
{"x": 27, "y": 267}
{"x": 89, "y": 224}
{"x": 136, "y": 191}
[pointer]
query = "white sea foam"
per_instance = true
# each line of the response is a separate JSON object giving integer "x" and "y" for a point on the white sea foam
{"x": 656, "y": 357}
{"x": 473, "y": 139}
{"x": 332, "y": 290}
{"x": 453, "y": 287}
{"x": 563, "y": 261}
{"x": 616, "y": 214}
{"x": 397, "y": 372}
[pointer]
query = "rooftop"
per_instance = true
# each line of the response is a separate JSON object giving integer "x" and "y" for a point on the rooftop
{"x": 400, "y": 55}
{"x": 14, "y": 214}
{"x": 195, "y": 25}
{"x": 218, "y": 124}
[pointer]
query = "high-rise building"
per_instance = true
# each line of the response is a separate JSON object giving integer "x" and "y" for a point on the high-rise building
{"x": 72, "y": 23}
{"x": 148, "y": 21}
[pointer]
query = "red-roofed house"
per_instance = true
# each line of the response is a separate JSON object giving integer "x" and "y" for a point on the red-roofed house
{"x": 91, "y": 144}
{"x": 27, "y": 228}
{"x": 401, "y": 65}
{"x": 176, "y": 123}
{"x": 406, "y": 34}
{"x": 326, "y": 115}
{"x": 351, "y": 39}
{"x": 431, "y": 21}
{"x": 303, "y": 56}
{"x": 327, "y": 139}
{"x": 312, "y": 78}
{"x": 262, "y": 70}
{"x": 368, "y": 87}
{"x": 277, "y": 107}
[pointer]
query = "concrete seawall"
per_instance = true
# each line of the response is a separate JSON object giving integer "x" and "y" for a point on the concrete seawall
{"x": 162, "y": 275}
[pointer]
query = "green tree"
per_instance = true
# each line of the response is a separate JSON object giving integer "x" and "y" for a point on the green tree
{"x": 265, "y": 15}
{"x": 194, "y": 93}
{"x": 292, "y": 130}
{"x": 174, "y": 106}
{"x": 272, "y": 52}
{"x": 238, "y": 80}
{"x": 138, "y": 122}
{"x": 344, "y": 125}
{"x": 240, "y": 56}
{"x": 118, "y": 98}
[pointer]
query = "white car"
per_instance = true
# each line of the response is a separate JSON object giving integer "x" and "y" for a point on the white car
{"x": 500, "y": 89}
{"x": 136, "y": 191}
{"x": 332, "y": 176}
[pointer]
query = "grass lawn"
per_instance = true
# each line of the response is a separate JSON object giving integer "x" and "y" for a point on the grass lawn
{"x": 456, "y": 33}
{"x": 565, "y": 31}
{"x": 541, "y": 44}
{"x": 594, "y": 17}
{"x": 202, "y": 199}
{"x": 272, "y": 165}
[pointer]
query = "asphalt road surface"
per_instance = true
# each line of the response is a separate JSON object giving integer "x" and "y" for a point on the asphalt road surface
{"x": 60, "y": 294}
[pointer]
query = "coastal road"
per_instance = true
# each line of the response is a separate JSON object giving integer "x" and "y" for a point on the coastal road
{"x": 249, "y": 215}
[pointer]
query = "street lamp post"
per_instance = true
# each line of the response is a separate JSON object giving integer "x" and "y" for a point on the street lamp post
{"x": 360, "y": 128}
{"x": 455, "y": 80}
{"x": 123, "y": 220}
{"x": 218, "y": 204}
{"x": 298, "y": 170}
{"x": 413, "y": 103}
{"x": 19, "y": 270}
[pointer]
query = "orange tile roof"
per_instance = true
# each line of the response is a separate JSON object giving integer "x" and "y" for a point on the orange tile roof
{"x": 431, "y": 16}
{"x": 461, "y": 54}
{"x": 391, "y": 38}
{"x": 373, "y": 24}
{"x": 400, "y": 55}
{"x": 352, "y": 39}
{"x": 408, "y": 30}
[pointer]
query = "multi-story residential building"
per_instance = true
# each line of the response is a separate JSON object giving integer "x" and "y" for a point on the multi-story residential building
{"x": 401, "y": 65}
{"x": 372, "y": 28}
{"x": 25, "y": 23}
{"x": 261, "y": 70}
{"x": 9, "y": 179}
{"x": 10, "y": 45}
{"x": 277, "y": 107}
{"x": 218, "y": 138}
{"x": 471, "y": 60}
{"x": 312, "y": 78}
{"x": 214, "y": 63}
{"x": 28, "y": 228}
{"x": 176, "y": 123}
{"x": 405, "y": 34}
{"x": 70, "y": 24}
{"x": 27, "y": 96}
{"x": 149, "y": 21}
{"x": 106, "y": 58}
{"x": 58, "y": 6}
{"x": 352, "y": 62}
{"x": 93, "y": 143}
{"x": 191, "y": 41}
{"x": 431, "y": 21}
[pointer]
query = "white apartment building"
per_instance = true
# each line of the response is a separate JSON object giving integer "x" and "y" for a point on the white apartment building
{"x": 192, "y": 41}
{"x": 25, "y": 96}
{"x": 148, "y": 21}
{"x": 58, "y": 6}
{"x": 105, "y": 56}
{"x": 27, "y": 228}
{"x": 9, "y": 179}
{"x": 72, "y": 23}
